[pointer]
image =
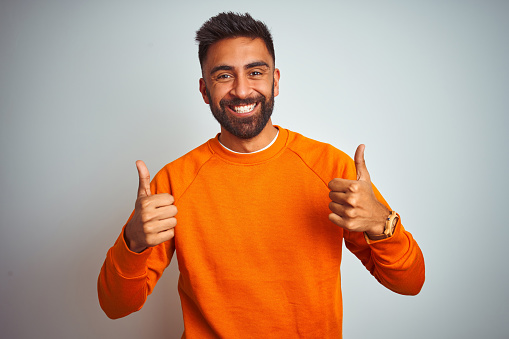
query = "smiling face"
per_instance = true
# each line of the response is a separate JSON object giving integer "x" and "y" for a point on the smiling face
{"x": 239, "y": 83}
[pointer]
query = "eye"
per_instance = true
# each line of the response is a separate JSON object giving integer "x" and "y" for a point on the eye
{"x": 224, "y": 76}
{"x": 256, "y": 73}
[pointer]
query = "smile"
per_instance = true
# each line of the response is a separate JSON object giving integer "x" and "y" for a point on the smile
{"x": 243, "y": 109}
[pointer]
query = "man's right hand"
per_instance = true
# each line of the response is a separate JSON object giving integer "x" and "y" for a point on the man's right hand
{"x": 154, "y": 219}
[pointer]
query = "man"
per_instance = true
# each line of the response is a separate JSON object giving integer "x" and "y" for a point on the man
{"x": 262, "y": 213}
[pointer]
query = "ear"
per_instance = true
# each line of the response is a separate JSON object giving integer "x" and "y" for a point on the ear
{"x": 203, "y": 91}
{"x": 276, "y": 81}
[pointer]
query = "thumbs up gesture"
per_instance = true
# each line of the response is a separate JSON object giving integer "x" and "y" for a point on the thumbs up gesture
{"x": 154, "y": 219}
{"x": 353, "y": 203}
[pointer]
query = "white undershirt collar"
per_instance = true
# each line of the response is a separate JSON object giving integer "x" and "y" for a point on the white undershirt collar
{"x": 263, "y": 149}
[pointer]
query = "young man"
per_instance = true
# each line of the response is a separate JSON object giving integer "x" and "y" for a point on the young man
{"x": 262, "y": 213}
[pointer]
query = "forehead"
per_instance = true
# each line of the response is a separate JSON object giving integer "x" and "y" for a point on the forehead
{"x": 237, "y": 52}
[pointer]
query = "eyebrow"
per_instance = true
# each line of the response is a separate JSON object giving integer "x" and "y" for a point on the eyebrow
{"x": 256, "y": 64}
{"x": 248, "y": 66}
{"x": 220, "y": 68}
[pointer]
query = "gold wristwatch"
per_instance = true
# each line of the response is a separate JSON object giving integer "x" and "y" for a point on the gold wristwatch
{"x": 390, "y": 225}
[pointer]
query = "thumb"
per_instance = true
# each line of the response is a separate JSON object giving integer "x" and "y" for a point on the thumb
{"x": 360, "y": 164}
{"x": 144, "y": 175}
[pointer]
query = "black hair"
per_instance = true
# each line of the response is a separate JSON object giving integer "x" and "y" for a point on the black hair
{"x": 231, "y": 25}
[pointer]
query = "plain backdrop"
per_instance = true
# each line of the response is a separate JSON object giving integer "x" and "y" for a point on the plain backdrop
{"x": 89, "y": 87}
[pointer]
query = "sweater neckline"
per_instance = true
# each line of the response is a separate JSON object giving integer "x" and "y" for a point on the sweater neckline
{"x": 250, "y": 158}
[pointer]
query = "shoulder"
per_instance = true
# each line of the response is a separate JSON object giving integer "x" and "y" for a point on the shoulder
{"x": 324, "y": 159}
{"x": 178, "y": 174}
{"x": 193, "y": 159}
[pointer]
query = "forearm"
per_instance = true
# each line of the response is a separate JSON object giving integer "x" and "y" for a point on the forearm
{"x": 127, "y": 278}
{"x": 396, "y": 262}
{"x": 123, "y": 281}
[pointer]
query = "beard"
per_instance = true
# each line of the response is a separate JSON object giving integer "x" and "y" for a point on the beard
{"x": 248, "y": 127}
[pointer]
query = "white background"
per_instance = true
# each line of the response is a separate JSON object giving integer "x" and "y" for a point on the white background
{"x": 89, "y": 87}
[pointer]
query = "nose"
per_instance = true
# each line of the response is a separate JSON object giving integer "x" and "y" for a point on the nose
{"x": 241, "y": 87}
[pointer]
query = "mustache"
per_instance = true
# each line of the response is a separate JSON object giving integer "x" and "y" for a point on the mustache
{"x": 240, "y": 102}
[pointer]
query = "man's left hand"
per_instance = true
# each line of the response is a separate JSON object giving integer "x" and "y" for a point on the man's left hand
{"x": 354, "y": 205}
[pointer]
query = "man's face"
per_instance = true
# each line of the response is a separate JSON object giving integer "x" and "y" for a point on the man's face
{"x": 239, "y": 83}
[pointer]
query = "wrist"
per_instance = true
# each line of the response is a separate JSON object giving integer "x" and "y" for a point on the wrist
{"x": 131, "y": 245}
{"x": 376, "y": 230}
{"x": 388, "y": 230}
{"x": 379, "y": 228}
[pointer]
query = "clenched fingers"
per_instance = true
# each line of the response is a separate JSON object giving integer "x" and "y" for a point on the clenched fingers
{"x": 344, "y": 185}
{"x": 159, "y": 225}
{"x": 158, "y": 238}
{"x": 155, "y": 201}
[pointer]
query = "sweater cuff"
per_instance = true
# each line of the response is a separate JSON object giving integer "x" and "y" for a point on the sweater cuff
{"x": 128, "y": 263}
{"x": 391, "y": 249}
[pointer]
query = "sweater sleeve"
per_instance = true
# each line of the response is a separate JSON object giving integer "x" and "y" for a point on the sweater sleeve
{"x": 127, "y": 278}
{"x": 396, "y": 262}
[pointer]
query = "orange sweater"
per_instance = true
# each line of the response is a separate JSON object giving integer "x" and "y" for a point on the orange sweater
{"x": 257, "y": 254}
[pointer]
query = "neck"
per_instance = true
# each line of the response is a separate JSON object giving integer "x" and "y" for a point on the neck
{"x": 249, "y": 145}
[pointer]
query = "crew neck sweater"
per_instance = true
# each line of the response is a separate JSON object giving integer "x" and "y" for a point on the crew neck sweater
{"x": 257, "y": 254}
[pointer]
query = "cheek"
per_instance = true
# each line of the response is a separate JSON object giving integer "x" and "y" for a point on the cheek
{"x": 266, "y": 87}
{"x": 267, "y": 91}
{"x": 218, "y": 93}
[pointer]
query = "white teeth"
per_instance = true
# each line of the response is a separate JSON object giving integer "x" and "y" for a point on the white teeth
{"x": 244, "y": 109}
